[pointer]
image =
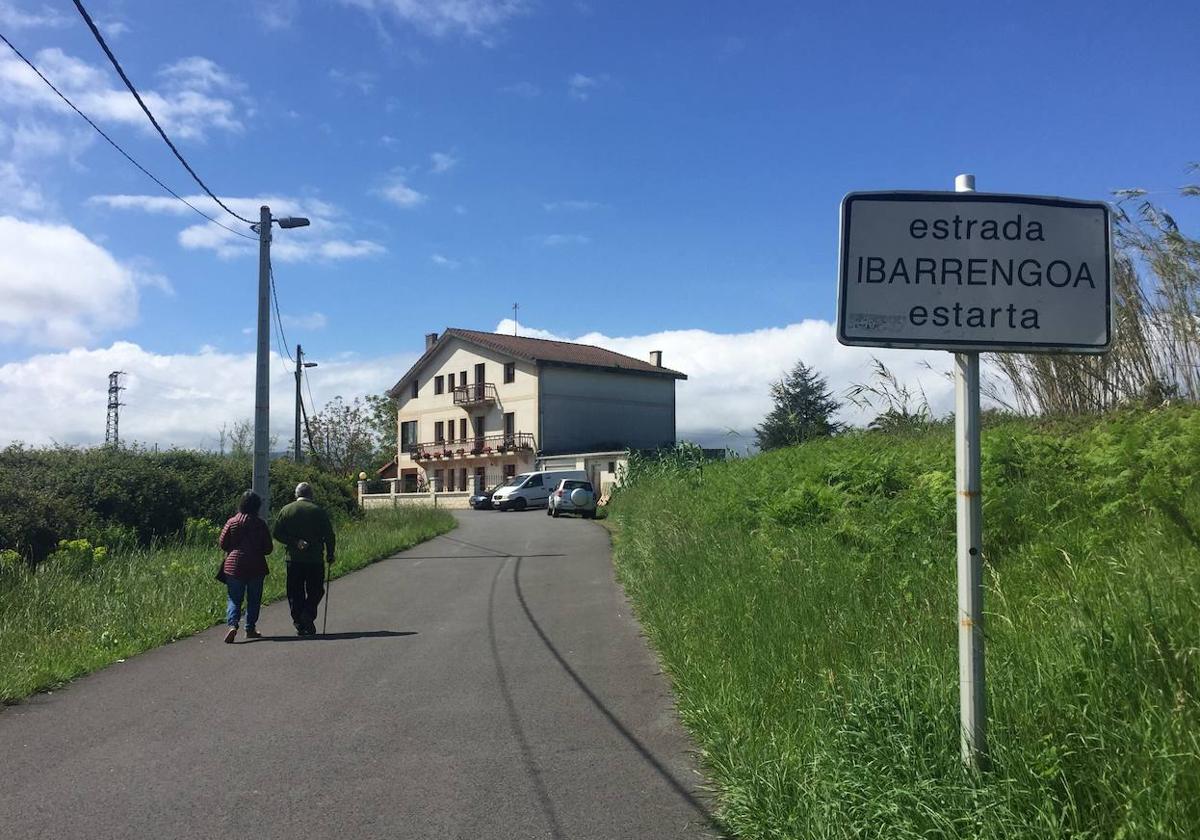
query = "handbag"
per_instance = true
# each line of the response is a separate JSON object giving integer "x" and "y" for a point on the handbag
{"x": 221, "y": 576}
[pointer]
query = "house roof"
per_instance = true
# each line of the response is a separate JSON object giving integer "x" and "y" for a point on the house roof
{"x": 542, "y": 350}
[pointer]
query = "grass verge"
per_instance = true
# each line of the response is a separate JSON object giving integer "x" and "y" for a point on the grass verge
{"x": 67, "y": 619}
{"x": 804, "y": 602}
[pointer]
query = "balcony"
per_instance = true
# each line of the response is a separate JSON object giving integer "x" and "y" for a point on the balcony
{"x": 481, "y": 393}
{"x": 481, "y": 446}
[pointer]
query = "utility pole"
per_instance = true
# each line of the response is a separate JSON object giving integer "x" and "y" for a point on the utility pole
{"x": 262, "y": 383}
{"x": 300, "y": 365}
{"x": 111, "y": 437}
{"x": 262, "y": 374}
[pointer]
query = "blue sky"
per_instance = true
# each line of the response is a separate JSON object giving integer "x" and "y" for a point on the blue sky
{"x": 642, "y": 174}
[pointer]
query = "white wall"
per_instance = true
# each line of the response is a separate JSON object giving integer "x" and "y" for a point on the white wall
{"x": 455, "y": 356}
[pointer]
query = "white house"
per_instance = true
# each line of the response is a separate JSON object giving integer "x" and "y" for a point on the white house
{"x": 478, "y": 407}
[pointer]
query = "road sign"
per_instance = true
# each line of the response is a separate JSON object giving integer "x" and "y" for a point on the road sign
{"x": 975, "y": 272}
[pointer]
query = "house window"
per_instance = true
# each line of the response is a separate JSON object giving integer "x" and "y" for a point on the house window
{"x": 408, "y": 435}
{"x": 510, "y": 424}
{"x": 612, "y": 466}
{"x": 479, "y": 373}
{"x": 414, "y": 389}
{"x": 439, "y": 434}
{"x": 439, "y": 479}
{"x": 510, "y": 470}
{"x": 450, "y": 382}
{"x": 462, "y": 429}
{"x": 462, "y": 479}
{"x": 462, "y": 379}
{"x": 450, "y": 481}
{"x": 510, "y": 371}
{"x": 479, "y": 479}
{"x": 439, "y": 385}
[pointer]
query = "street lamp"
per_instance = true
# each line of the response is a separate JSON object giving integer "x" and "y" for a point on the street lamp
{"x": 262, "y": 394}
{"x": 300, "y": 365}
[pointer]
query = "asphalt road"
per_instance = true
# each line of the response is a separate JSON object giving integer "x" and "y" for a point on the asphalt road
{"x": 488, "y": 684}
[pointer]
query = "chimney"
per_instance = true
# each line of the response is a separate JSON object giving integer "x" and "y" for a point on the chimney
{"x": 656, "y": 358}
{"x": 430, "y": 340}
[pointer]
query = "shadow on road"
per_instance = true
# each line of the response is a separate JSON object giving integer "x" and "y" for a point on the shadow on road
{"x": 335, "y": 637}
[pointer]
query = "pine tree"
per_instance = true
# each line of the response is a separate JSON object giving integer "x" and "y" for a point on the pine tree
{"x": 803, "y": 410}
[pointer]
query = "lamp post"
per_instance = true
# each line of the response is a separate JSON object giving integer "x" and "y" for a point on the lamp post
{"x": 262, "y": 393}
{"x": 300, "y": 365}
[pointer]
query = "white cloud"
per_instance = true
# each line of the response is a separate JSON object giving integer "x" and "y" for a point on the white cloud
{"x": 18, "y": 194}
{"x": 313, "y": 321}
{"x": 581, "y": 87}
{"x": 318, "y": 241}
{"x": 444, "y": 262}
{"x": 400, "y": 193}
{"x": 476, "y": 19}
{"x": 169, "y": 399}
{"x": 113, "y": 28}
{"x": 186, "y": 109}
{"x": 276, "y": 14}
{"x": 555, "y": 240}
{"x": 183, "y": 399}
{"x": 198, "y": 73}
{"x": 440, "y": 162}
{"x": 525, "y": 90}
{"x": 575, "y": 205}
{"x": 13, "y": 16}
{"x": 59, "y": 288}
{"x": 361, "y": 80}
{"x": 729, "y": 374}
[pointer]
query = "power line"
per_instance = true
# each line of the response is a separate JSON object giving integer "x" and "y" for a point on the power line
{"x": 121, "y": 72}
{"x": 283, "y": 351}
{"x": 113, "y": 143}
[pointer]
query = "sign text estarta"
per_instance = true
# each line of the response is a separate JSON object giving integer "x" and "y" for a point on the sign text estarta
{"x": 975, "y": 272}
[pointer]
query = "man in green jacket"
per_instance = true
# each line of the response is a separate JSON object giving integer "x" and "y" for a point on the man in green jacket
{"x": 304, "y": 529}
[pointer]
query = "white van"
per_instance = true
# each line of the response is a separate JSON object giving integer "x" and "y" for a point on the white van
{"x": 532, "y": 489}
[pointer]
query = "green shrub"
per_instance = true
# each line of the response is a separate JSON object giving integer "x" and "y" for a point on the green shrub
{"x": 121, "y": 497}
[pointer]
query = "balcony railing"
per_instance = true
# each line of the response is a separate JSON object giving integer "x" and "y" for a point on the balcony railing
{"x": 473, "y": 447}
{"x": 478, "y": 394}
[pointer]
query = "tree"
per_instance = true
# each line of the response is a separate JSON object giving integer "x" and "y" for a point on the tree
{"x": 344, "y": 439}
{"x": 803, "y": 410}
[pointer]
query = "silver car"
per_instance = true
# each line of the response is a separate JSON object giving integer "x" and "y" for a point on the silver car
{"x": 572, "y": 496}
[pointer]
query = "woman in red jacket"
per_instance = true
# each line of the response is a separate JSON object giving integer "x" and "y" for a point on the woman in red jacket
{"x": 247, "y": 542}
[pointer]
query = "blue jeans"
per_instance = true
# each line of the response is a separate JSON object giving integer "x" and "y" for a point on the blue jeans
{"x": 251, "y": 590}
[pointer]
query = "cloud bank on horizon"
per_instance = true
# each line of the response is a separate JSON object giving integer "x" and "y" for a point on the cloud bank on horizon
{"x": 184, "y": 399}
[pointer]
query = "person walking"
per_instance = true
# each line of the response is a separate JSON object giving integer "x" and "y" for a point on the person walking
{"x": 305, "y": 530}
{"x": 247, "y": 542}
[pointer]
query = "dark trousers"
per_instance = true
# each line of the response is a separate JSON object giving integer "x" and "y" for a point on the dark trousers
{"x": 305, "y": 587}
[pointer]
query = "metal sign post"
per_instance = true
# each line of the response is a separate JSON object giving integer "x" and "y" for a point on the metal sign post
{"x": 974, "y": 273}
{"x": 972, "y": 694}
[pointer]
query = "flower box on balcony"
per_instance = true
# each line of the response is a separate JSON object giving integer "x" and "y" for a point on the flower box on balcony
{"x": 460, "y": 452}
{"x": 446, "y": 453}
{"x": 487, "y": 450}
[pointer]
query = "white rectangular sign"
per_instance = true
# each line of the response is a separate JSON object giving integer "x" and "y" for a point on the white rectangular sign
{"x": 975, "y": 272}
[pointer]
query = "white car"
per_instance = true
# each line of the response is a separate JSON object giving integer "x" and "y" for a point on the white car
{"x": 530, "y": 490}
{"x": 572, "y": 496}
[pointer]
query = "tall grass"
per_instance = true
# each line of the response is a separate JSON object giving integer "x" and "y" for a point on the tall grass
{"x": 804, "y": 604}
{"x": 75, "y": 615}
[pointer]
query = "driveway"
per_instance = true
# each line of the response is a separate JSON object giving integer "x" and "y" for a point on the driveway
{"x": 490, "y": 683}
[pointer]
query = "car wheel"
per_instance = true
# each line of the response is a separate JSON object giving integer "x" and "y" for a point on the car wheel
{"x": 520, "y": 505}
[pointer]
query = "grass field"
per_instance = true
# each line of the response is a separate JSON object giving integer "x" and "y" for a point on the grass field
{"x": 803, "y": 602}
{"x": 81, "y": 611}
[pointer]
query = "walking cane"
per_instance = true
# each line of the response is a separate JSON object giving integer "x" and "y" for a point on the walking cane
{"x": 325, "y": 620}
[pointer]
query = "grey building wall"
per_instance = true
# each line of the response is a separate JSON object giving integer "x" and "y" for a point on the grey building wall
{"x": 584, "y": 410}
